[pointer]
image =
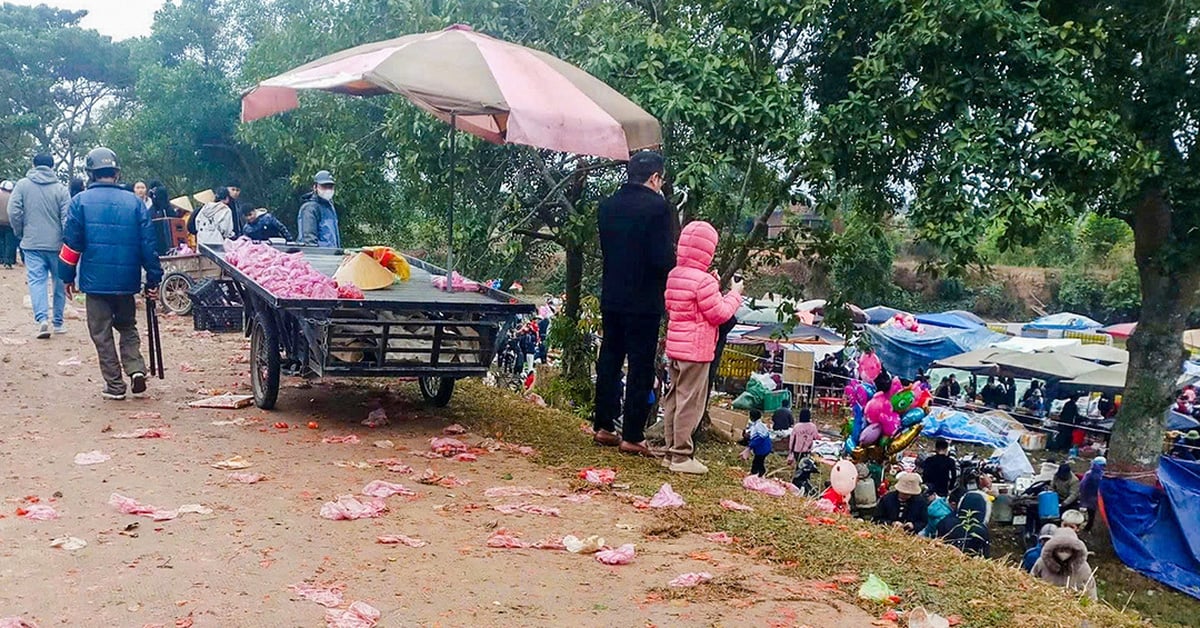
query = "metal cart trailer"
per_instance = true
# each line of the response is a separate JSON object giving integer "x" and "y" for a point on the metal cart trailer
{"x": 408, "y": 330}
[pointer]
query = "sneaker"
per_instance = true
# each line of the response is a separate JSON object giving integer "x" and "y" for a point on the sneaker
{"x": 113, "y": 395}
{"x": 691, "y": 465}
{"x": 43, "y": 330}
{"x": 60, "y": 329}
{"x": 138, "y": 383}
{"x": 666, "y": 462}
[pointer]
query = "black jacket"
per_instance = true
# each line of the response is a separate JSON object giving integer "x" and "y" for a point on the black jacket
{"x": 939, "y": 473}
{"x": 637, "y": 242}
{"x": 888, "y": 511}
{"x": 265, "y": 228}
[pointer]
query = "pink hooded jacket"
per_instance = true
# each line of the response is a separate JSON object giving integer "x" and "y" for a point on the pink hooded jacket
{"x": 695, "y": 306}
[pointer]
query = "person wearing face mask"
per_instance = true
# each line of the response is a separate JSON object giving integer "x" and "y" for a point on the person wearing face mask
{"x": 318, "y": 221}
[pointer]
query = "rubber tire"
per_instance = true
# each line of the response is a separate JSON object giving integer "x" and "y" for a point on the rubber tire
{"x": 162, "y": 293}
{"x": 264, "y": 336}
{"x": 436, "y": 390}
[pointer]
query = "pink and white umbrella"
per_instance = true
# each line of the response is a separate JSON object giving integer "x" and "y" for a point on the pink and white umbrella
{"x": 496, "y": 90}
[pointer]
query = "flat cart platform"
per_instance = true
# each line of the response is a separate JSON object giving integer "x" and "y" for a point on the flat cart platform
{"x": 408, "y": 330}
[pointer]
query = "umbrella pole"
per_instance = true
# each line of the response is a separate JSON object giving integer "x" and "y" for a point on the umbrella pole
{"x": 453, "y": 195}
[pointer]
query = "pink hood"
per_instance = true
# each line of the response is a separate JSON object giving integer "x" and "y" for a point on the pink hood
{"x": 697, "y": 245}
{"x": 695, "y": 306}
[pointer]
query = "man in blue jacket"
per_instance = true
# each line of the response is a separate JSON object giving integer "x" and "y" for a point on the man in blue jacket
{"x": 110, "y": 238}
{"x": 318, "y": 220}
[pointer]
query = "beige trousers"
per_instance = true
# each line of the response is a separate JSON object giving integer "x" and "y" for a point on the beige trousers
{"x": 683, "y": 407}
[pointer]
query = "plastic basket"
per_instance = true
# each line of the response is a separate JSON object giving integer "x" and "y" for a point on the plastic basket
{"x": 774, "y": 399}
{"x": 217, "y": 319}
{"x": 215, "y": 293}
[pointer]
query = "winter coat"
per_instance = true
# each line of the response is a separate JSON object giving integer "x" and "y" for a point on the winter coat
{"x": 37, "y": 210}
{"x": 214, "y": 224}
{"x": 801, "y": 441}
{"x": 1073, "y": 571}
{"x": 109, "y": 239}
{"x": 1068, "y": 491}
{"x": 1089, "y": 489}
{"x": 915, "y": 511}
{"x": 971, "y": 534}
{"x": 318, "y": 223}
{"x": 4, "y": 196}
{"x": 636, "y": 242}
{"x": 266, "y": 227}
{"x": 695, "y": 306}
{"x": 760, "y": 438}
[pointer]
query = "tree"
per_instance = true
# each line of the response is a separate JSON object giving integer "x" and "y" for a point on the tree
{"x": 970, "y": 113}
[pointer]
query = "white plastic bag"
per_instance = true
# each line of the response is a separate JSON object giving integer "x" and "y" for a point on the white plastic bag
{"x": 1013, "y": 461}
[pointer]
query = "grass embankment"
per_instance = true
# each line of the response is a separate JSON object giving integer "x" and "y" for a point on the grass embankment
{"x": 982, "y": 592}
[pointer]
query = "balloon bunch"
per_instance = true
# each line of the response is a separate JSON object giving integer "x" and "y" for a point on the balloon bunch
{"x": 906, "y": 321}
{"x": 887, "y": 417}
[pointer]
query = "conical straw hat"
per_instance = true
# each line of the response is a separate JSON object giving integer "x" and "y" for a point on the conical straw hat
{"x": 363, "y": 271}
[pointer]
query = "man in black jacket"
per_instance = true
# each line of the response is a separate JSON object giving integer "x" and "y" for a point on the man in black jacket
{"x": 637, "y": 243}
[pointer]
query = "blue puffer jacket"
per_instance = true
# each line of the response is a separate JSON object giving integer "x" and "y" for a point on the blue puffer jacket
{"x": 110, "y": 237}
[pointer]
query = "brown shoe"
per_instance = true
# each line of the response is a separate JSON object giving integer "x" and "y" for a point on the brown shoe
{"x": 636, "y": 449}
{"x": 605, "y": 438}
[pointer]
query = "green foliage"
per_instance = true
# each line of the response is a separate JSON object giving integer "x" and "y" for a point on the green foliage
{"x": 1109, "y": 301}
{"x": 862, "y": 270}
{"x": 1100, "y": 235}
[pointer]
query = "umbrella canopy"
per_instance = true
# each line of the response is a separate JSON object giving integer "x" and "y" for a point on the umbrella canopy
{"x": 1120, "y": 330}
{"x": 979, "y": 360}
{"x": 499, "y": 91}
{"x": 1107, "y": 378}
{"x": 1191, "y": 339}
{"x": 1096, "y": 353}
{"x": 1048, "y": 365}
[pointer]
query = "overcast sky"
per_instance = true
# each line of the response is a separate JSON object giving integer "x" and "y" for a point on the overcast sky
{"x": 119, "y": 19}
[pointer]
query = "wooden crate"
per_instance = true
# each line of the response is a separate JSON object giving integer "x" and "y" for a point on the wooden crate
{"x": 728, "y": 422}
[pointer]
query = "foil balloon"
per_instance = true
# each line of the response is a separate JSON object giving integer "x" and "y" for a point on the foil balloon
{"x": 876, "y": 408}
{"x": 902, "y": 401}
{"x": 895, "y": 386}
{"x": 904, "y": 439}
{"x": 870, "y": 388}
{"x": 857, "y": 423}
{"x": 921, "y": 397}
{"x": 912, "y": 417}
{"x": 890, "y": 422}
{"x": 856, "y": 394}
{"x": 870, "y": 434}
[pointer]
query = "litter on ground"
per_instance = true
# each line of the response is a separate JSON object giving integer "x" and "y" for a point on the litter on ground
{"x": 620, "y": 556}
{"x": 349, "y": 507}
{"x": 92, "y": 457}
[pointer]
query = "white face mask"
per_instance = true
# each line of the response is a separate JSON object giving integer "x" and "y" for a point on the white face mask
{"x": 325, "y": 194}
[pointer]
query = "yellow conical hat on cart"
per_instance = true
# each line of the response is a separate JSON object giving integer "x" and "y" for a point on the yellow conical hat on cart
{"x": 363, "y": 271}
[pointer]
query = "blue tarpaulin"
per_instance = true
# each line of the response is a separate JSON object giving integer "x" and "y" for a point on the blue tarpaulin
{"x": 1157, "y": 531}
{"x": 948, "y": 319}
{"x": 957, "y": 426}
{"x": 1065, "y": 321}
{"x": 1180, "y": 422}
{"x": 880, "y": 314}
{"x": 906, "y": 353}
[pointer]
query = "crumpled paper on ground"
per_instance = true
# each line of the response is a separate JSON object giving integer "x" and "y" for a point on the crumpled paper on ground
{"x": 921, "y": 618}
{"x": 774, "y": 488}
{"x": 690, "y": 579}
{"x": 666, "y": 497}
{"x": 69, "y": 543}
{"x": 502, "y": 538}
{"x": 37, "y": 512}
{"x": 349, "y": 507}
{"x": 380, "y": 488}
{"x": 620, "y": 556}
{"x": 429, "y": 476}
{"x": 722, "y": 538}
{"x": 376, "y": 418}
{"x": 16, "y": 622}
{"x": 447, "y": 447}
{"x": 92, "y": 457}
{"x": 589, "y": 545}
{"x": 329, "y": 597}
{"x": 246, "y": 478}
{"x": 729, "y": 504}
{"x": 359, "y": 615}
{"x": 71, "y": 361}
{"x": 598, "y": 476}
{"x": 349, "y": 439}
{"x": 400, "y": 539}
{"x": 130, "y": 506}
{"x": 532, "y": 509}
{"x": 232, "y": 464}
{"x": 394, "y": 465}
{"x": 145, "y": 432}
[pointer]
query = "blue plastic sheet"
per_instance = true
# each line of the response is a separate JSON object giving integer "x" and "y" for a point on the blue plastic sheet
{"x": 1157, "y": 532}
{"x": 880, "y": 314}
{"x": 907, "y": 353}
{"x": 1180, "y": 422}
{"x": 1066, "y": 321}
{"x": 957, "y": 426}
{"x": 948, "y": 320}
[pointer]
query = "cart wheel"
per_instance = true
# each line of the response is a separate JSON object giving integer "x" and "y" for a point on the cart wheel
{"x": 173, "y": 293}
{"x": 436, "y": 390}
{"x": 264, "y": 362}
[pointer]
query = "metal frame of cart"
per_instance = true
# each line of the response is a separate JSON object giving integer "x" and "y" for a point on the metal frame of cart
{"x": 409, "y": 330}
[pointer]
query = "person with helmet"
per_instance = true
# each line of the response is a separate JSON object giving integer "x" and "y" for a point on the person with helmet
{"x": 8, "y": 239}
{"x": 110, "y": 240}
{"x": 36, "y": 210}
{"x": 318, "y": 220}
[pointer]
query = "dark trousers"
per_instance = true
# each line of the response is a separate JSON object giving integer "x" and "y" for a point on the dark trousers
{"x": 8, "y": 246}
{"x": 633, "y": 337}
{"x": 759, "y": 466}
{"x": 106, "y": 312}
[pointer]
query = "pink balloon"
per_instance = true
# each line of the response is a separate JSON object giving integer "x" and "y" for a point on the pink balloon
{"x": 843, "y": 477}
{"x": 855, "y": 393}
{"x": 895, "y": 388}
{"x": 870, "y": 434}
{"x": 890, "y": 423}
{"x": 877, "y": 407}
{"x": 869, "y": 366}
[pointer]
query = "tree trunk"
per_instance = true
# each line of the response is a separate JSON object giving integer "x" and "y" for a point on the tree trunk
{"x": 575, "y": 355}
{"x": 1156, "y": 350}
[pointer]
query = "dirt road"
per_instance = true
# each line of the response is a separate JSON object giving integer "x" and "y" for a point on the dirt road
{"x": 233, "y": 566}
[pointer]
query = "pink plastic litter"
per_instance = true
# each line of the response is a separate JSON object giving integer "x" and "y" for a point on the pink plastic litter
{"x": 92, "y": 457}
{"x": 466, "y": 457}
{"x": 282, "y": 274}
{"x": 380, "y": 488}
{"x": 722, "y": 538}
{"x": 376, "y": 418}
{"x": 458, "y": 283}
{"x": 39, "y": 512}
{"x": 349, "y": 439}
{"x": 577, "y": 498}
{"x": 246, "y": 478}
{"x": 533, "y": 509}
{"x": 349, "y": 507}
{"x": 620, "y": 556}
{"x": 329, "y": 596}
{"x": 394, "y": 465}
{"x": 447, "y": 446}
{"x": 400, "y": 539}
{"x": 729, "y": 504}
{"x": 130, "y": 506}
{"x": 666, "y": 497}
{"x": 598, "y": 476}
{"x": 359, "y": 615}
{"x": 519, "y": 491}
{"x": 184, "y": 367}
{"x": 146, "y": 416}
{"x": 502, "y": 538}
{"x": 16, "y": 622}
{"x": 774, "y": 488}
{"x": 454, "y": 430}
{"x": 690, "y": 579}
{"x": 146, "y": 432}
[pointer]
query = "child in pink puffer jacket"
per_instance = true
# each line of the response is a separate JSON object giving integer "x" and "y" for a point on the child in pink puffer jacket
{"x": 695, "y": 307}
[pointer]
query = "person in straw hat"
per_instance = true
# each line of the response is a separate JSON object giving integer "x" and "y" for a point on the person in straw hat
{"x": 903, "y": 507}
